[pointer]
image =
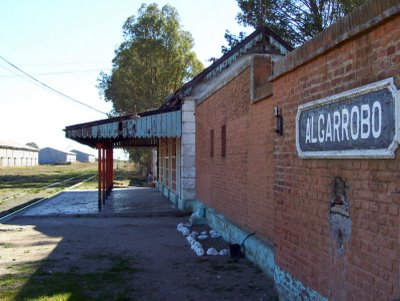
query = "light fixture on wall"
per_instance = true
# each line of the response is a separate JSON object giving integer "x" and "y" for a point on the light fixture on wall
{"x": 279, "y": 121}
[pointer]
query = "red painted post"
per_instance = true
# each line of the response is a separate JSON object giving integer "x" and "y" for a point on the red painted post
{"x": 104, "y": 174}
{"x": 99, "y": 174}
{"x": 109, "y": 170}
{"x": 112, "y": 168}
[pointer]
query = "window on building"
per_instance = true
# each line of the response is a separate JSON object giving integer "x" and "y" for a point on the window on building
{"x": 161, "y": 161}
{"x": 211, "y": 143}
{"x": 173, "y": 155}
{"x": 166, "y": 162}
{"x": 223, "y": 141}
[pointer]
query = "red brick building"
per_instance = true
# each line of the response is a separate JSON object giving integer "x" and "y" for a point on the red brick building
{"x": 298, "y": 146}
{"x": 251, "y": 178}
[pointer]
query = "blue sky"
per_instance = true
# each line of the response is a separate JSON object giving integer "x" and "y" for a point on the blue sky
{"x": 65, "y": 44}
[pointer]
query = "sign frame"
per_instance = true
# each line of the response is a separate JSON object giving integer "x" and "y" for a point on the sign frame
{"x": 387, "y": 153}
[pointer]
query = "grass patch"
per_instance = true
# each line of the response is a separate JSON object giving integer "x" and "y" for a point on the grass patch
{"x": 31, "y": 281}
{"x": 10, "y": 284}
{"x": 223, "y": 289}
{"x": 6, "y": 245}
{"x": 198, "y": 286}
{"x": 90, "y": 184}
{"x": 217, "y": 267}
{"x": 43, "y": 175}
{"x": 126, "y": 175}
{"x": 35, "y": 190}
{"x": 117, "y": 263}
{"x": 11, "y": 229}
{"x": 25, "y": 268}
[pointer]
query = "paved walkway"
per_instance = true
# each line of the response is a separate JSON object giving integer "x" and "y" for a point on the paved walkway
{"x": 71, "y": 237}
{"x": 134, "y": 201}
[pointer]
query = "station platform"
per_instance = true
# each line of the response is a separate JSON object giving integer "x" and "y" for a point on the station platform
{"x": 133, "y": 201}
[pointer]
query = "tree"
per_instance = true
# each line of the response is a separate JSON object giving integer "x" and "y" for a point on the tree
{"x": 296, "y": 21}
{"x": 154, "y": 59}
{"x": 32, "y": 144}
{"x": 232, "y": 40}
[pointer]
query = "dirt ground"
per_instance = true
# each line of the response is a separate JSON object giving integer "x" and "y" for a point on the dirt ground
{"x": 167, "y": 268}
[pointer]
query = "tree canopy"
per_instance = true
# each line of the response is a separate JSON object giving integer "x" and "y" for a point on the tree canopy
{"x": 232, "y": 40}
{"x": 32, "y": 144}
{"x": 296, "y": 21}
{"x": 154, "y": 59}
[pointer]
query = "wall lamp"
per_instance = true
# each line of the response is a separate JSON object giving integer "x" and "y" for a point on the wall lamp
{"x": 279, "y": 121}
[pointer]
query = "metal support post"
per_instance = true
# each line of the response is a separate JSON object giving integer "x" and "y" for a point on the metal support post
{"x": 99, "y": 174}
{"x": 109, "y": 170}
{"x": 104, "y": 174}
{"x": 112, "y": 168}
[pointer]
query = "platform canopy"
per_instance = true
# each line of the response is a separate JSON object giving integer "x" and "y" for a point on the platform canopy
{"x": 130, "y": 130}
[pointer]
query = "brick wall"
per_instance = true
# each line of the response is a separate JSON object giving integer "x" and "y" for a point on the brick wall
{"x": 240, "y": 185}
{"x": 370, "y": 268}
{"x": 263, "y": 186}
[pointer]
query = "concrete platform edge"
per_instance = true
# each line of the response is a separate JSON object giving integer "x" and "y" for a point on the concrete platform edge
{"x": 18, "y": 212}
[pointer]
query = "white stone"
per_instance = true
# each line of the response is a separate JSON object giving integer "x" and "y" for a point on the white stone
{"x": 212, "y": 252}
{"x": 188, "y": 160}
{"x": 188, "y": 172}
{"x": 224, "y": 252}
{"x": 188, "y": 183}
{"x": 188, "y": 128}
{"x": 188, "y": 148}
{"x": 188, "y": 116}
{"x": 188, "y": 193}
{"x": 188, "y": 105}
{"x": 188, "y": 138}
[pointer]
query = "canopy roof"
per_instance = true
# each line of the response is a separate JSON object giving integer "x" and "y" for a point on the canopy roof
{"x": 129, "y": 130}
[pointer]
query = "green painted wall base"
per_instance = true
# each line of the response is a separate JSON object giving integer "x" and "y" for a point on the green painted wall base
{"x": 169, "y": 194}
{"x": 290, "y": 288}
{"x": 257, "y": 250}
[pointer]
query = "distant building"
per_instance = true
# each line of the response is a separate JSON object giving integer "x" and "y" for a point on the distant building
{"x": 50, "y": 155}
{"x": 16, "y": 154}
{"x": 83, "y": 157}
